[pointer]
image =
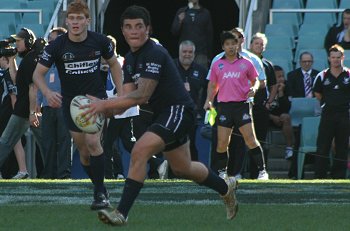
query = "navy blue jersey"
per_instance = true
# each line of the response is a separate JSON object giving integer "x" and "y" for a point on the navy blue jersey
{"x": 78, "y": 64}
{"x": 152, "y": 61}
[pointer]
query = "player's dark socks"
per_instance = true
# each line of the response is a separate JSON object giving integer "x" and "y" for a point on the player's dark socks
{"x": 214, "y": 182}
{"x": 97, "y": 165}
{"x": 258, "y": 157}
{"x": 221, "y": 162}
{"x": 131, "y": 190}
{"x": 230, "y": 166}
{"x": 88, "y": 171}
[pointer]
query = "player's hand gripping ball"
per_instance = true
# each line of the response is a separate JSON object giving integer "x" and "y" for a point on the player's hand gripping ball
{"x": 88, "y": 126}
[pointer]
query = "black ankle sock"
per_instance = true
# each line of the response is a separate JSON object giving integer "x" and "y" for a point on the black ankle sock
{"x": 221, "y": 162}
{"x": 258, "y": 157}
{"x": 88, "y": 171}
{"x": 131, "y": 190}
{"x": 214, "y": 182}
{"x": 97, "y": 165}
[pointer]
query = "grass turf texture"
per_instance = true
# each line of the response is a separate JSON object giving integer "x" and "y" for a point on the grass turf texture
{"x": 178, "y": 205}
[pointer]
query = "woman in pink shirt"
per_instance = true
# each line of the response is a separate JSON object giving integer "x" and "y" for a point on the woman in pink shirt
{"x": 234, "y": 80}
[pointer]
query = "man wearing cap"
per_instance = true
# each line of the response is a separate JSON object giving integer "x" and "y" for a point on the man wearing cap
{"x": 19, "y": 120}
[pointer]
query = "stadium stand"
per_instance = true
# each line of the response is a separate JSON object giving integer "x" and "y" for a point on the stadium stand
{"x": 300, "y": 108}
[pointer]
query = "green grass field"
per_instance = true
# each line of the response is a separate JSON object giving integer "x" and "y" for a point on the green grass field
{"x": 178, "y": 205}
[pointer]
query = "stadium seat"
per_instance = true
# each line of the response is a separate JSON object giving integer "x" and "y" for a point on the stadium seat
{"x": 281, "y": 29}
{"x": 319, "y": 53}
{"x": 286, "y": 65}
{"x": 323, "y": 4}
{"x": 306, "y": 42}
{"x": 302, "y": 107}
{"x": 343, "y": 4}
{"x": 287, "y": 18}
{"x": 308, "y": 138}
{"x": 280, "y": 42}
{"x": 38, "y": 29}
{"x": 5, "y": 31}
{"x": 314, "y": 29}
{"x": 290, "y": 4}
{"x": 275, "y": 54}
{"x": 320, "y": 18}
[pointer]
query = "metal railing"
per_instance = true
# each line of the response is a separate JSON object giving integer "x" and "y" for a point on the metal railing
{"x": 39, "y": 11}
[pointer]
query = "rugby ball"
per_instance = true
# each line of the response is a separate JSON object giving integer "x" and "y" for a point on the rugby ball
{"x": 88, "y": 126}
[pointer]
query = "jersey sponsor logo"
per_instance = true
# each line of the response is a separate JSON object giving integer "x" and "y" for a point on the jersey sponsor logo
{"x": 45, "y": 56}
{"x": 221, "y": 66}
{"x": 68, "y": 56}
{"x": 346, "y": 80}
{"x": 110, "y": 47}
{"x": 196, "y": 74}
{"x": 222, "y": 118}
{"x": 153, "y": 68}
{"x": 242, "y": 66}
{"x": 83, "y": 67}
{"x": 136, "y": 77}
{"x": 231, "y": 74}
{"x": 326, "y": 82}
{"x": 245, "y": 116}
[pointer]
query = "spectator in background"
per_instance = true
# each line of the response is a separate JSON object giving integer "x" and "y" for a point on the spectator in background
{"x": 336, "y": 33}
{"x": 262, "y": 99}
{"x": 111, "y": 134}
{"x": 23, "y": 114}
{"x": 279, "y": 111}
{"x": 194, "y": 23}
{"x": 194, "y": 78}
{"x": 332, "y": 89}
{"x": 8, "y": 92}
{"x": 301, "y": 79}
{"x": 57, "y": 148}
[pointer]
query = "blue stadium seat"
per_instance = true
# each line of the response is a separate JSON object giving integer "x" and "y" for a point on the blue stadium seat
{"x": 320, "y": 18}
{"x": 302, "y": 107}
{"x": 38, "y": 29}
{"x": 343, "y": 4}
{"x": 306, "y": 42}
{"x": 281, "y": 29}
{"x": 319, "y": 53}
{"x": 290, "y": 4}
{"x": 280, "y": 42}
{"x": 321, "y": 4}
{"x": 308, "y": 138}
{"x": 286, "y": 65}
{"x": 287, "y": 18}
{"x": 314, "y": 29}
{"x": 275, "y": 54}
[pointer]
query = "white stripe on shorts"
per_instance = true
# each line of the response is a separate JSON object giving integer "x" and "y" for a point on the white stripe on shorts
{"x": 178, "y": 114}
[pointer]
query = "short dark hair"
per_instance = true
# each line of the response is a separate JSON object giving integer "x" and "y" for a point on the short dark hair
{"x": 277, "y": 68}
{"x": 225, "y": 35}
{"x": 305, "y": 53}
{"x": 135, "y": 12}
{"x": 58, "y": 30}
{"x": 336, "y": 48}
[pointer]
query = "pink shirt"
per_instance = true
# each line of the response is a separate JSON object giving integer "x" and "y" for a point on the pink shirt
{"x": 232, "y": 78}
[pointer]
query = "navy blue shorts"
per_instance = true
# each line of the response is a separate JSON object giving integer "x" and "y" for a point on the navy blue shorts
{"x": 173, "y": 125}
{"x": 233, "y": 114}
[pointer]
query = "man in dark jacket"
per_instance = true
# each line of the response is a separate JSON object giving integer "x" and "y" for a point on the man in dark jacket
{"x": 301, "y": 79}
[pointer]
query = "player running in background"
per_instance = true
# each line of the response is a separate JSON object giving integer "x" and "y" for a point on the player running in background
{"x": 77, "y": 55}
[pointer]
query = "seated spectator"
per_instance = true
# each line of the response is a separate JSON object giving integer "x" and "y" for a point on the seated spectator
{"x": 336, "y": 33}
{"x": 279, "y": 111}
{"x": 345, "y": 43}
{"x": 300, "y": 80}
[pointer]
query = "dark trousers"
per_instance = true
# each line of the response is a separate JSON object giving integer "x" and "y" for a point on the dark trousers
{"x": 332, "y": 125}
{"x": 113, "y": 161}
{"x": 261, "y": 123}
{"x": 56, "y": 146}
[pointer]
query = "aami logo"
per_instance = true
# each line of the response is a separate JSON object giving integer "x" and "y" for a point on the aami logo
{"x": 228, "y": 75}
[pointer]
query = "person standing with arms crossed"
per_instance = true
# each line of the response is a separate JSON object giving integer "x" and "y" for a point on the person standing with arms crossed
{"x": 77, "y": 55}
{"x": 151, "y": 76}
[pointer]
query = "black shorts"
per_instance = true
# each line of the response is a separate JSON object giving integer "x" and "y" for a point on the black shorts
{"x": 233, "y": 114}
{"x": 173, "y": 125}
